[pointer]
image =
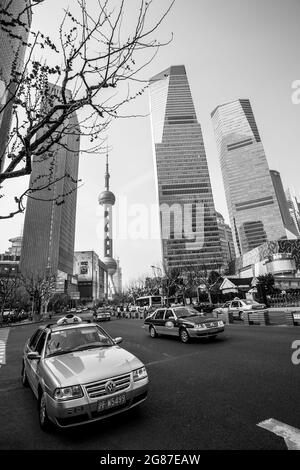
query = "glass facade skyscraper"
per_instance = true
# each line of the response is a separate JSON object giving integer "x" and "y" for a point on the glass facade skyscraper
{"x": 252, "y": 204}
{"x": 288, "y": 222}
{"x": 12, "y": 50}
{"x": 49, "y": 227}
{"x": 189, "y": 228}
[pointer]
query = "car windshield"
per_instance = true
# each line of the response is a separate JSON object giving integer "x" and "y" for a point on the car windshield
{"x": 76, "y": 339}
{"x": 186, "y": 312}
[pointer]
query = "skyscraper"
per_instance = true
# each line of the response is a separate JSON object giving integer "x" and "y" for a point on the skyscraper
{"x": 288, "y": 222}
{"x": 49, "y": 227}
{"x": 13, "y": 37}
{"x": 107, "y": 200}
{"x": 293, "y": 206}
{"x": 188, "y": 222}
{"x": 252, "y": 204}
{"x": 226, "y": 239}
{"x": 118, "y": 278}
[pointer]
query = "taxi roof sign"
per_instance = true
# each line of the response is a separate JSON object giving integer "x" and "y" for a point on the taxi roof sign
{"x": 69, "y": 319}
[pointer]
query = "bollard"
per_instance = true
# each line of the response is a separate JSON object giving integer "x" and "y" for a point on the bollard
{"x": 263, "y": 317}
{"x": 228, "y": 318}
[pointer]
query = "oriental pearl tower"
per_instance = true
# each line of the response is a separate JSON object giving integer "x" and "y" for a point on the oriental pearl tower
{"x": 107, "y": 200}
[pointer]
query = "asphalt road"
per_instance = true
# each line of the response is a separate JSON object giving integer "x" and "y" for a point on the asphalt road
{"x": 203, "y": 395}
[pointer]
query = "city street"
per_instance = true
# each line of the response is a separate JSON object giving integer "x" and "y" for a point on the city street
{"x": 203, "y": 395}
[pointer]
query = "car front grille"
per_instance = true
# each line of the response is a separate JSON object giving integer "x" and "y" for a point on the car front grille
{"x": 212, "y": 324}
{"x": 97, "y": 389}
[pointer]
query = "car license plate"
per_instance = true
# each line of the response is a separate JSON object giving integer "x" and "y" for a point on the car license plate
{"x": 111, "y": 402}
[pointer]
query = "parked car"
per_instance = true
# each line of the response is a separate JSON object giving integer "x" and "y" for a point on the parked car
{"x": 184, "y": 322}
{"x": 79, "y": 374}
{"x": 22, "y": 315}
{"x": 9, "y": 316}
{"x": 238, "y": 306}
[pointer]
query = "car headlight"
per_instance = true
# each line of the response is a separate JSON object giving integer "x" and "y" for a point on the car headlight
{"x": 200, "y": 326}
{"x": 68, "y": 393}
{"x": 220, "y": 323}
{"x": 140, "y": 374}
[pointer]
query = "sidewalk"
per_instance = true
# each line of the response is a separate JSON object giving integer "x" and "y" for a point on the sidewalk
{"x": 35, "y": 320}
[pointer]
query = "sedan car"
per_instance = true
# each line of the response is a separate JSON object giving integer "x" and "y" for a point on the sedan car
{"x": 101, "y": 315}
{"x": 79, "y": 374}
{"x": 238, "y": 306}
{"x": 9, "y": 316}
{"x": 184, "y": 322}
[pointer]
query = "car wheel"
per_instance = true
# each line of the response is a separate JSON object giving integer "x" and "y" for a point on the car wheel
{"x": 152, "y": 332}
{"x": 25, "y": 382}
{"x": 43, "y": 417}
{"x": 184, "y": 336}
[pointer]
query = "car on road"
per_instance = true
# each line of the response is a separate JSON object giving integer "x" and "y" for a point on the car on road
{"x": 79, "y": 374}
{"x": 9, "y": 316}
{"x": 101, "y": 315}
{"x": 184, "y": 322}
{"x": 238, "y": 306}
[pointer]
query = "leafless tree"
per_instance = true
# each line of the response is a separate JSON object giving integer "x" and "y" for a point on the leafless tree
{"x": 40, "y": 289}
{"x": 135, "y": 289}
{"x": 207, "y": 276}
{"x": 87, "y": 73}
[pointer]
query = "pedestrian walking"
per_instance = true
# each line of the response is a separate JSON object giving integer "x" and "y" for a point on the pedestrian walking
{"x": 118, "y": 311}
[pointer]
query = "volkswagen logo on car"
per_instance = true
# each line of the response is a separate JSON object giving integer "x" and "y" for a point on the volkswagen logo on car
{"x": 110, "y": 386}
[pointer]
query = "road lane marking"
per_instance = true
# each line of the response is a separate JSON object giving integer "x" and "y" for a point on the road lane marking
{"x": 172, "y": 358}
{"x": 290, "y": 434}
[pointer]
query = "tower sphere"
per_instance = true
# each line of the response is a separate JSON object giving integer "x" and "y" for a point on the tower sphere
{"x": 111, "y": 265}
{"x": 106, "y": 197}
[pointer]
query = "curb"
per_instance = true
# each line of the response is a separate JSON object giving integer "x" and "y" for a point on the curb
{"x": 12, "y": 325}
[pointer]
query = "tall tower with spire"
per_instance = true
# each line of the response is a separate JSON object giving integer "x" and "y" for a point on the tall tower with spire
{"x": 107, "y": 200}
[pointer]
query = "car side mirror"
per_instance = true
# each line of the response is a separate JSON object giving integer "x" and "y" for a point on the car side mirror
{"x": 118, "y": 340}
{"x": 33, "y": 355}
{"x": 171, "y": 318}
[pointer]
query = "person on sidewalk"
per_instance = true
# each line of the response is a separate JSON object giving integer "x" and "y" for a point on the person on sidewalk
{"x": 118, "y": 311}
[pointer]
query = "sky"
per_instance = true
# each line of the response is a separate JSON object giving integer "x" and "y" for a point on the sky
{"x": 231, "y": 49}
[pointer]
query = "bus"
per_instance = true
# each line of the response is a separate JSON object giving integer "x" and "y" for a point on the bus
{"x": 149, "y": 302}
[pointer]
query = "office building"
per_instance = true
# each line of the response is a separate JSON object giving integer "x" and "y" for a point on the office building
{"x": 293, "y": 206}
{"x": 188, "y": 224}
{"x": 252, "y": 204}
{"x": 10, "y": 259}
{"x": 92, "y": 274}
{"x": 288, "y": 222}
{"x": 49, "y": 227}
{"x": 118, "y": 278}
{"x": 226, "y": 239}
{"x": 13, "y": 38}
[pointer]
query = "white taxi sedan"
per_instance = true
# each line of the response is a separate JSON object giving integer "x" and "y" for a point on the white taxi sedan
{"x": 79, "y": 374}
